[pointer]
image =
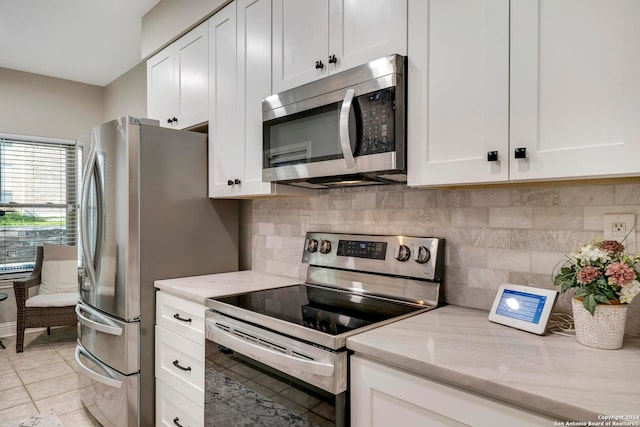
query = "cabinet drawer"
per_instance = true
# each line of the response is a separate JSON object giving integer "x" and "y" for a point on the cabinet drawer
{"x": 185, "y": 318}
{"x": 180, "y": 362}
{"x": 173, "y": 408}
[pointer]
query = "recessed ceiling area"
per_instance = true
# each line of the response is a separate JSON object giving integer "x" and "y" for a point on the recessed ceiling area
{"x": 88, "y": 41}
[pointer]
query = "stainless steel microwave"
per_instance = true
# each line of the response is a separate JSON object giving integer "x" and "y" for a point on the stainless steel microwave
{"x": 345, "y": 129}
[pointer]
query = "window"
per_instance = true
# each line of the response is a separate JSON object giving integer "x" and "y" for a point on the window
{"x": 38, "y": 197}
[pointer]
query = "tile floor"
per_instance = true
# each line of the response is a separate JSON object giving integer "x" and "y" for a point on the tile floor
{"x": 43, "y": 377}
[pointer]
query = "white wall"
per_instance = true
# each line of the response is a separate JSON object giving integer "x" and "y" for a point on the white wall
{"x": 31, "y": 104}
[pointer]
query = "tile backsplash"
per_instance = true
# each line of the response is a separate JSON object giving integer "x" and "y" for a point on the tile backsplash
{"x": 499, "y": 235}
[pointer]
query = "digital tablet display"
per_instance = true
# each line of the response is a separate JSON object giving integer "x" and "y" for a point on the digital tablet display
{"x": 521, "y": 305}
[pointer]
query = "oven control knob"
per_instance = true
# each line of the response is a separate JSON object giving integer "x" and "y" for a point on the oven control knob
{"x": 325, "y": 246}
{"x": 421, "y": 255}
{"x": 312, "y": 245}
{"x": 402, "y": 253}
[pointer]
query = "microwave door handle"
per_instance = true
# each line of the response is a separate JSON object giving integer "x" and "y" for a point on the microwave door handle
{"x": 345, "y": 141}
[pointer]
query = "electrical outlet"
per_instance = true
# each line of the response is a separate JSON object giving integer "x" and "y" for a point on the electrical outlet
{"x": 621, "y": 227}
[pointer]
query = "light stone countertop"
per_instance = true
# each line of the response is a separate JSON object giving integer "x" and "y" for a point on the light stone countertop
{"x": 198, "y": 288}
{"x": 552, "y": 374}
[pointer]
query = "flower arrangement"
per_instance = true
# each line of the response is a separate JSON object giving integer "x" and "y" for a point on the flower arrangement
{"x": 602, "y": 272}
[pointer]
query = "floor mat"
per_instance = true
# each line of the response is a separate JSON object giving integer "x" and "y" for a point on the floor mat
{"x": 47, "y": 419}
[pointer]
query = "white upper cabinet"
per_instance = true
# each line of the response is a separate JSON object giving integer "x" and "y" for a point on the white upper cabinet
{"x": 458, "y": 96}
{"x": 313, "y": 38}
{"x": 177, "y": 81}
{"x": 575, "y": 90}
{"x": 226, "y": 151}
{"x": 558, "y": 97}
{"x": 161, "y": 88}
{"x": 254, "y": 84}
{"x": 363, "y": 30}
{"x": 240, "y": 77}
{"x": 300, "y": 36}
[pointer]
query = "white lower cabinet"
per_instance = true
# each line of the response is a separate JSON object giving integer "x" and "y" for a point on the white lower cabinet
{"x": 179, "y": 361}
{"x": 173, "y": 409}
{"x": 385, "y": 396}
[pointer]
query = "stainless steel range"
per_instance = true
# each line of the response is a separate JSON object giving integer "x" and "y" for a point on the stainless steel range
{"x": 279, "y": 357}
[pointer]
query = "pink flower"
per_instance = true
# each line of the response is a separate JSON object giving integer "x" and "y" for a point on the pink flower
{"x": 620, "y": 273}
{"x": 587, "y": 274}
{"x": 612, "y": 246}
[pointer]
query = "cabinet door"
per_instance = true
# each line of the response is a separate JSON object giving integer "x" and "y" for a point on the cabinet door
{"x": 363, "y": 30}
{"x": 575, "y": 91}
{"x": 254, "y": 84}
{"x": 458, "y": 103}
{"x": 173, "y": 408}
{"x": 300, "y": 38}
{"x": 381, "y": 396}
{"x": 226, "y": 151}
{"x": 161, "y": 88}
{"x": 192, "y": 66}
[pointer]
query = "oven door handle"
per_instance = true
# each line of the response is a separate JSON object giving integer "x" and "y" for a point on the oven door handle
{"x": 345, "y": 140}
{"x": 264, "y": 354}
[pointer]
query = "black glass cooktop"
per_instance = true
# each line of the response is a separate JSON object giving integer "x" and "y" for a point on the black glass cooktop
{"x": 325, "y": 309}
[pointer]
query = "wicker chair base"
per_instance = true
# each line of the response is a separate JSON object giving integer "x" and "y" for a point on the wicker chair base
{"x": 38, "y": 317}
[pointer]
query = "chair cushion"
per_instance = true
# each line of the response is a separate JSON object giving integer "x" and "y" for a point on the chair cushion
{"x": 59, "y": 270}
{"x": 53, "y": 300}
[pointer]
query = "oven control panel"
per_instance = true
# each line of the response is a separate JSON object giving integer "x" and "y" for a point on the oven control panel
{"x": 362, "y": 249}
{"x": 418, "y": 257}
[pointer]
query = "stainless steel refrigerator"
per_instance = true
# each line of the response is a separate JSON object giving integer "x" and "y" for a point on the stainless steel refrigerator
{"x": 144, "y": 215}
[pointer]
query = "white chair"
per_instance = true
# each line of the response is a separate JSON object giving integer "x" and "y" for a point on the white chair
{"x": 56, "y": 275}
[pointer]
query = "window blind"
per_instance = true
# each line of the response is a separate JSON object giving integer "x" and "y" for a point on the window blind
{"x": 38, "y": 197}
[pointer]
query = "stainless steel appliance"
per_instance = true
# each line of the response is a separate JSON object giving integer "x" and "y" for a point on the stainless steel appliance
{"x": 345, "y": 129}
{"x": 278, "y": 356}
{"x": 144, "y": 215}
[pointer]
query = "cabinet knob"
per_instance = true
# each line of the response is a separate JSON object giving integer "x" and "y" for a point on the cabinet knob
{"x": 176, "y": 421}
{"x": 169, "y": 121}
{"x": 236, "y": 181}
{"x": 521, "y": 153}
{"x": 319, "y": 65}
{"x": 333, "y": 59}
{"x": 174, "y": 120}
{"x": 229, "y": 182}
{"x": 492, "y": 156}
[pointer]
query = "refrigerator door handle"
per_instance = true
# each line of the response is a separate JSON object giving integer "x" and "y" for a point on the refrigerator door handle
{"x": 84, "y": 216}
{"x": 93, "y": 170}
{"x": 107, "y": 326}
{"x": 110, "y": 380}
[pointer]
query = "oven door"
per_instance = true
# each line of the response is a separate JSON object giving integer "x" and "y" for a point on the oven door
{"x": 262, "y": 378}
{"x": 346, "y": 132}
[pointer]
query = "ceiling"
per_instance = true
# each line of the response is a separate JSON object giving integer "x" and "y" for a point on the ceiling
{"x": 88, "y": 41}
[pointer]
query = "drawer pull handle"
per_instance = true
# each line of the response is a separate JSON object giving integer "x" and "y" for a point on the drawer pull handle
{"x": 176, "y": 363}
{"x": 175, "y": 421}
{"x": 177, "y": 317}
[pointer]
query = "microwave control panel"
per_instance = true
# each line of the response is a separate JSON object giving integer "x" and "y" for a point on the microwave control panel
{"x": 377, "y": 119}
